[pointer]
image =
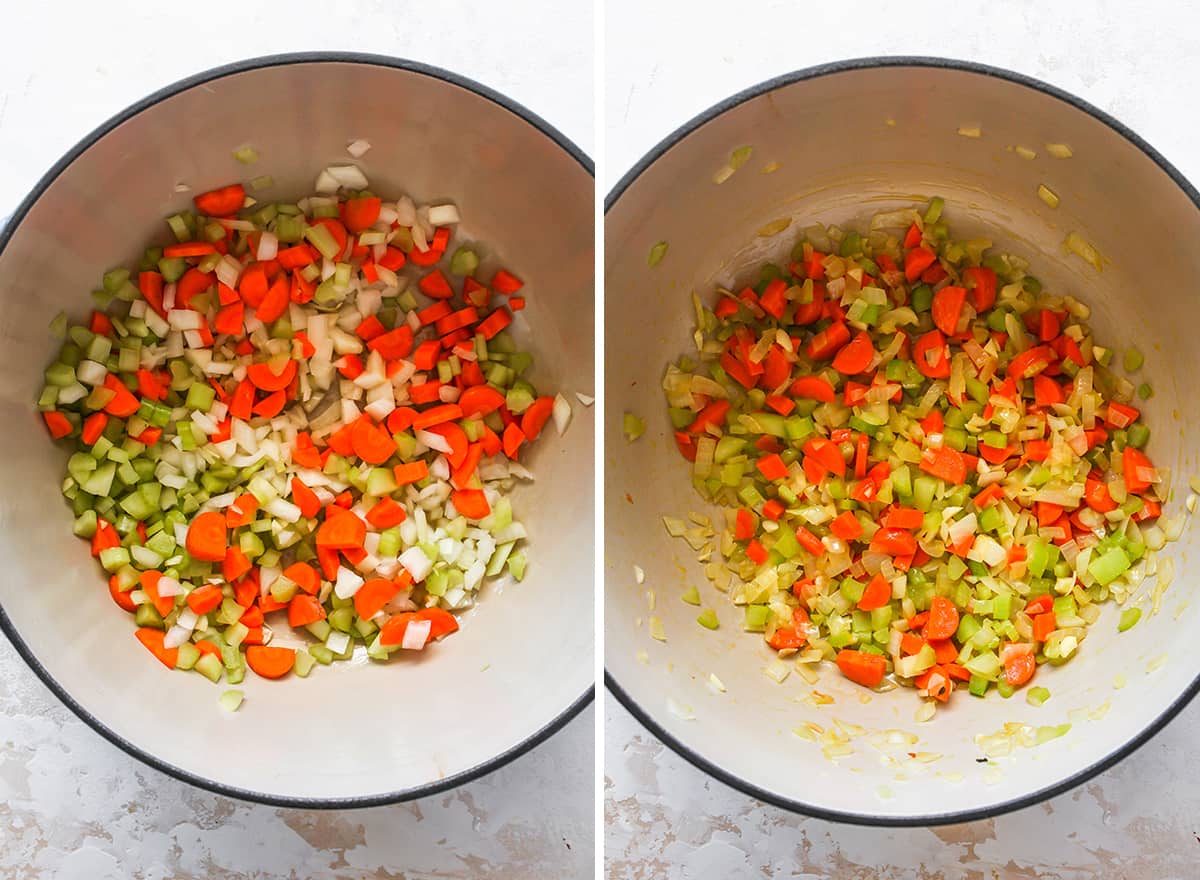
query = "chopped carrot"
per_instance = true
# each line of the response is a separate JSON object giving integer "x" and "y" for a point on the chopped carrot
{"x": 304, "y": 609}
{"x": 535, "y": 417}
{"x": 221, "y": 202}
{"x": 342, "y": 531}
{"x": 304, "y": 576}
{"x": 386, "y": 513}
{"x": 862, "y": 667}
{"x": 270, "y": 662}
{"x": 236, "y": 564}
{"x": 152, "y": 639}
{"x": 411, "y": 472}
{"x": 943, "y": 619}
{"x": 471, "y": 503}
{"x": 207, "y": 537}
{"x": 878, "y": 593}
{"x": 373, "y": 595}
{"x": 442, "y": 622}
{"x": 305, "y": 498}
{"x": 241, "y": 512}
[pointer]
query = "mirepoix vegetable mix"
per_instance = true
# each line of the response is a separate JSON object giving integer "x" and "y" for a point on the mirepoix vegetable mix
{"x": 305, "y": 411}
{"x": 931, "y": 472}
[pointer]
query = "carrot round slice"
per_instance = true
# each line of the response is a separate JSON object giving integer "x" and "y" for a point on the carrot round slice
{"x": 856, "y": 356}
{"x": 371, "y": 444}
{"x": 535, "y": 417}
{"x": 862, "y": 667}
{"x": 943, "y": 619}
{"x": 471, "y": 503}
{"x": 270, "y": 662}
{"x": 304, "y": 609}
{"x": 265, "y": 379}
{"x": 442, "y": 622}
{"x": 207, "y": 537}
{"x": 373, "y": 595}
{"x": 152, "y": 639}
{"x": 341, "y": 531}
{"x": 392, "y": 631}
{"x": 304, "y": 576}
{"x": 947, "y": 308}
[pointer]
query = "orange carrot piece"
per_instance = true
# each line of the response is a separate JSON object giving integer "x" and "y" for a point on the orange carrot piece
{"x": 535, "y": 417}
{"x": 303, "y": 610}
{"x": 442, "y": 622}
{"x": 943, "y": 619}
{"x": 270, "y": 662}
{"x": 392, "y": 631}
{"x": 411, "y": 472}
{"x": 386, "y": 513}
{"x": 207, "y": 537}
{"x": 341, "y": 531}
{"x": 372, "y": 444}
{"x": 305, "y": 498}
{"x": 149, "y": 581}
{"x": 373, "y": 595}
{"x": 236, "y": 564}
{"x": 205, "y": 599}
{"x": 304, "y": 576}
{"x": 862, "y": 667}
{"x": 241, "y": 512}
{"x": 877, "y": 594}
{"x": 471, "y": 503}
{"x": 152, "y": 639}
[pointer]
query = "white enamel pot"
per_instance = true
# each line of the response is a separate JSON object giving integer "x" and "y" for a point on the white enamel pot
{"x": 357, "y": 733}
{"x": 840, "y": 160}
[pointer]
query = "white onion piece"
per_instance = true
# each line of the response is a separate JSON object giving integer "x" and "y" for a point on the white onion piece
{"x": 176, "y": 636}
{"x": 337, "y": 641}
{"x": 268, "y": 246}
{"x": 168, "y": 586}
{"x": 433, "y": 441}
{"x": 358, "y": 148}
{"x": 283, "y": 510}
{"x": 561, "y": 413}
{"x": 348, "y": 176}
{"x": 91, "y": 373}
{"x": 443, "y": 215}
{"x": 348, "y": 583}
{"x": 416, "y": 563}
{"x": 416, "y": 634}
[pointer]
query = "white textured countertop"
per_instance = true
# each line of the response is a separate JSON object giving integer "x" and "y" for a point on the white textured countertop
{"x": 666, "y": 63}
{"x": 73, "y": 806}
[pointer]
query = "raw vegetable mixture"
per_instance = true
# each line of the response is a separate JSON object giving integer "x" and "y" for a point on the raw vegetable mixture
{"x": 267, "y": 422}
{"x": 931, "y": 475}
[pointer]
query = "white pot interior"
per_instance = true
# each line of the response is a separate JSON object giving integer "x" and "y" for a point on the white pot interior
{"x": 358, "y": 730}
{"x": 841, "y": 161}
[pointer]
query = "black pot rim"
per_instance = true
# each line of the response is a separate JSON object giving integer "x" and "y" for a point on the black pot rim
{"x": 6, "y": 624}
{"x": 646, "y": 719}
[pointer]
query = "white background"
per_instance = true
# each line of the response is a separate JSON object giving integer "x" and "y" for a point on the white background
{"x": 668, "y": 61}
{"x": 73, "y": 806}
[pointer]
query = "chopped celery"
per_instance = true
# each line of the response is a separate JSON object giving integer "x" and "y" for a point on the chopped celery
{"x": 1129, "y": 618}
{"x": 708, "y": 619}
{"x": 231, "y": 701}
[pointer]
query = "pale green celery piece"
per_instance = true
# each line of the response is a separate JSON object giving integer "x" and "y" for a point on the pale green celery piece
{"x": 283, "y": 590}
{"x": 321, "y": 654}
{"x": 692, "y": 596}
{"x": 633, "y": 426}
{"x": 464, "y": 261}
{"x": 231, "y": 701}
{"x": 236, "y": 634}
{"x": 304, "y": 663}
{"x": 740, "y": 157}
{"x": 147, "y": 615}
{"x": 1049, "y": 732}
{"x": 1133, "y": 359}
{"x": 657, "y": 252}
{"x": 236, "y": 674}
{"x": 1037, "y": 696}
{"x": 516, "y": 564}
{"x": 261, "y": 182}
{"x": 210, "y": 667}
{"x": 58, "y": 326}
{"x": 1129, "y": 617}
{"x": 499, "y": 559}
{"x": 247, "y": 155}
{"x": 708, "y": 619}
{"x": 186, "y": 656}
